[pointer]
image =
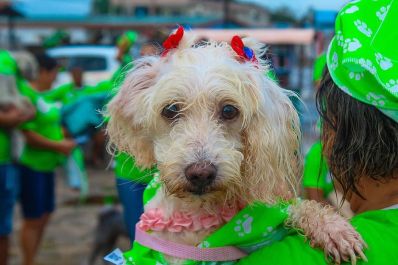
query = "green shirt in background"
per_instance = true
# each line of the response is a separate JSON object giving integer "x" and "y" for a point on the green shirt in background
{"x": 316, "y": 172}
{"x": 46, "y": 123}
{"x": 125, "y": 168}
{"x": 8, "y": 67}
{"x": 378, "y": 228}
{"x": 319, "y": 67}
{"x": 69, "y": 93}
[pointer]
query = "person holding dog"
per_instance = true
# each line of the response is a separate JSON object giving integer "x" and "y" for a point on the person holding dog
{"x": 358, "y": 101}
{"x": 45, "y": 149}
{"x": 10, "y": 118}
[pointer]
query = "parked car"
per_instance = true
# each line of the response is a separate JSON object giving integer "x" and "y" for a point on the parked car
{"x": 98, "y": 62}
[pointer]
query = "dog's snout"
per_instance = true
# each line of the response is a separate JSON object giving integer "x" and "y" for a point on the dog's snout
{"x": 201, "y": 174}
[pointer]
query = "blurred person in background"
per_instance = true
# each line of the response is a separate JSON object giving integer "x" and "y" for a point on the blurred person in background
{"x": 10, "y": 117}
{"x": 70, "y": 95}
{"x": 317, "y": 182}
{"x": 358, "y": 103}
{"x": 130, "y": 180}
{"x": 45, "y": 149}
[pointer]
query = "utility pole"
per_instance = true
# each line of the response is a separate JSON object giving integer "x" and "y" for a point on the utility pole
{"x": 226, "y": 4}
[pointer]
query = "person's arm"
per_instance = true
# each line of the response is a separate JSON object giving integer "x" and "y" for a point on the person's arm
{"x": 12, "y": 117}
{"x": 316, "y": 195}
{"x": 36, "y": 140}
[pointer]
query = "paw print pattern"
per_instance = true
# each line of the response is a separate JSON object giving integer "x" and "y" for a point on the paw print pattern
{"x": 351, "y": 10}
{"x": 392, "y": 85}
{"x": 382, "y": 12}
{"x": 368, "y": 65}
{"x": 204, "y": 244}
{"x": 244, "y": 226}
{"x": 356, "y": 76}
{"x": 384, "y": 62}
{"x": 375, "y": 100}
{"x": 340, "y": 38}
{"x": 351, "y": 45}
{"x": 130, "y": 261}
{"x": 362, "y": 27}
{"x": 335, "y": 61}
{"x": 269, "y": 232}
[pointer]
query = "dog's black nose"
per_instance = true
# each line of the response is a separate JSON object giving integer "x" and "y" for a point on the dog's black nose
{"x": 200, "y": 175}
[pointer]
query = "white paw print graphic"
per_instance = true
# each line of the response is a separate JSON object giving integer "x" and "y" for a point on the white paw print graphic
{"x": 340, "y": 38}
{"x": 335, "y": 61}
{"x": 382, "y": 12}
{"x": 384, "y": 62}
{"x": 376, "y": 100}
{"x": 362, "y": 27}
{"x": 269, "y": 232}
{"x": 204, "y": 244}
{"x": 351, "y": 45}
{"x": 392, "y": 85}
{"x": 244, "y": 227}
{"x": 351, "y": 10}
{"x": 356, "y": 76}
{"x": 368, "y": 65}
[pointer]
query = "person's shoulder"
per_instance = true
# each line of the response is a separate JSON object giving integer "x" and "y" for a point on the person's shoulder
{"x": 379, "y": 229}
{"x": 293, "y": 249}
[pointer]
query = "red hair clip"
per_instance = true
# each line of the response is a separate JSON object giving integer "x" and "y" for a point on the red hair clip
{"x": 242, "y": 51}
{"x": 173, "y": 41}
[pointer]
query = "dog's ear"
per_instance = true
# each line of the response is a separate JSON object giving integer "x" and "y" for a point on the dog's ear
{"x": 128, "y": 113}
{"x": 271, "y": 145}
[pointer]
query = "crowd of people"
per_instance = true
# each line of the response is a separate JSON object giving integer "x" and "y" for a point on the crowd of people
{"x": 358, "y": 147}
{"x": 55, "y": 123}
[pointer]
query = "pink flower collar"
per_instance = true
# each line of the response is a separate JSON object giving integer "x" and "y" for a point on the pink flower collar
{"x": 154, "y": 220}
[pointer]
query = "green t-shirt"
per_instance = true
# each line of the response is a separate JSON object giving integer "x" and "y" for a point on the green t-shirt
{"x": 68, "y": 93}
{"x": 378, "y": 228}
{"x": 125, "y": 168}
{"x": 8, "y": 66}
{"x": 46, "y": 123}
{"x": 316, "y": 172}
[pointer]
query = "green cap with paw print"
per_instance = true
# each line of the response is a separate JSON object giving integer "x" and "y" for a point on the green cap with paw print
{"x": 363, "y": 55}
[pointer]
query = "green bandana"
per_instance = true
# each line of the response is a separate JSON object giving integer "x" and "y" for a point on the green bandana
{"x": 252, "y": 228}
{"x": 363, "y": 58}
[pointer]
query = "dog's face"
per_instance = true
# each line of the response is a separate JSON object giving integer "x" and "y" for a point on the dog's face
{"x": 215, "y": 127}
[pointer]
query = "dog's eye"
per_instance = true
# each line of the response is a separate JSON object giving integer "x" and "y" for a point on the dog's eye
{"x": 171, "y": 112}
{"x": 229, "y": 112}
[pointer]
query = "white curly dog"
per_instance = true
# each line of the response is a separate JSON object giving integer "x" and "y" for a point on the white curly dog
{"x": 221, "y": 133}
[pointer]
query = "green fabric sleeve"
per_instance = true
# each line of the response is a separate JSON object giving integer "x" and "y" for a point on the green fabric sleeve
{"x": 378, "y": 228}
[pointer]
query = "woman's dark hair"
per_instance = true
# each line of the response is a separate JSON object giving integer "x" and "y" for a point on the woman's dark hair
{"x": 358, "y": 139}
{"x": 46, "y": 62}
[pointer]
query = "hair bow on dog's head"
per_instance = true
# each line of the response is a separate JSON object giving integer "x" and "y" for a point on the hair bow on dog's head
{"x": 244, "y": 53}
{"x": 173, "y": 41}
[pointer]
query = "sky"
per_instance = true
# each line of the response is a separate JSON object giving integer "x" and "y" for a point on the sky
{"x": 51, "y": 7}
{"x": 301, "y": 5}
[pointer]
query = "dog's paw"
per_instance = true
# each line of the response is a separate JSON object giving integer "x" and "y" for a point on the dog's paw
{"x": 328, "y": 230}
{"x": 341, "y": 242}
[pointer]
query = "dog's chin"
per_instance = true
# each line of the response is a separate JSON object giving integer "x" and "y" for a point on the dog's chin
{"x": 198, "y": 193}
